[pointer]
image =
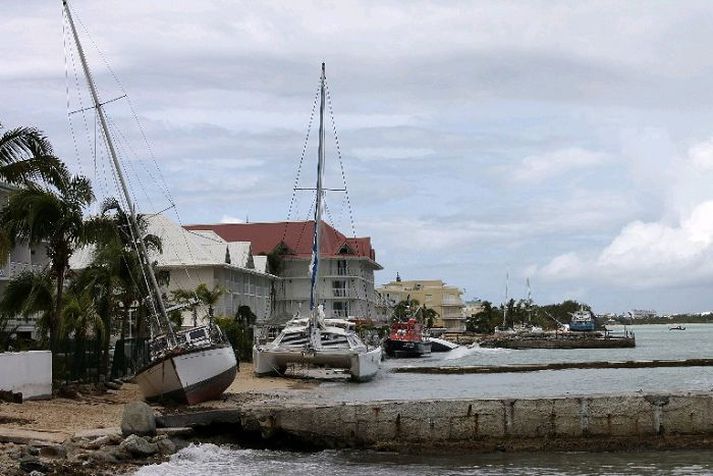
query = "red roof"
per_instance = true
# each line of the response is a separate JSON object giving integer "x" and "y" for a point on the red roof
{"x": 296, "y": 235}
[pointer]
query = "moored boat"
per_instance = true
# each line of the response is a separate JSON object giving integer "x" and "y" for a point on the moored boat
{"x": 581, "y": 321}
{"x": 407, "y": 339}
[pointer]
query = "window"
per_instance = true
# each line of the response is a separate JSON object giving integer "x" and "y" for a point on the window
{"x": 340, "y": 308}
{"x": 342, "y": 267}
{"x": 339, "y": 288}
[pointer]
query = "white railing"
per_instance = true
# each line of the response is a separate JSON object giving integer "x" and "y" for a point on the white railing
{"x": 341, "y": 292}
{"x": 17, "y": 268}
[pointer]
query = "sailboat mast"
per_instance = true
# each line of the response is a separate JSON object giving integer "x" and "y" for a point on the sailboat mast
{"x": 318, "y": 202}
{"x": 155, "y": 295}
{"x": 505, "y": 306}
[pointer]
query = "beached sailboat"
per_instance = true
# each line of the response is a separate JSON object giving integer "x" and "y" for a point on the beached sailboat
{"x": 190, "y": 366}
{"x": 315, "y": 339}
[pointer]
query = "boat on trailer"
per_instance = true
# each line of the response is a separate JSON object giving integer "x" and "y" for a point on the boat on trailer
{"x": 314, "y": 339}
{"x": 189, "y": 366}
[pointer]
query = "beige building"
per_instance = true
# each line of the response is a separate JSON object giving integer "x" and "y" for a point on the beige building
{"x": 434, "y": 294}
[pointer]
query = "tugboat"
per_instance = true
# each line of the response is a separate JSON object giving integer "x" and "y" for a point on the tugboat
{"x": 407, "y": 339}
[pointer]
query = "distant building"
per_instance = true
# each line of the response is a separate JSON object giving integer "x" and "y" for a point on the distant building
{"x": 346, "y": 271}
{"x": 473, "y": 307}
{"x": 192, "y": 258}
{"x": 21, "y": 258}
{"x": 642, "y": 314}
{"x": 434, "y": 294}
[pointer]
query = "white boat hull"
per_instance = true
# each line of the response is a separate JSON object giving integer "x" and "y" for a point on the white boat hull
{"x": 362, "y": 366}
{"x": 191, "y": 377}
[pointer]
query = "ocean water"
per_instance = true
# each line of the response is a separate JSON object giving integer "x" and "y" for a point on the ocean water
{"x": 653, "y": 342}
{"x": 211, "y": 460}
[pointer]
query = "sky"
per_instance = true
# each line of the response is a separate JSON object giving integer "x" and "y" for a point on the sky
{"x": 570, "y": 143}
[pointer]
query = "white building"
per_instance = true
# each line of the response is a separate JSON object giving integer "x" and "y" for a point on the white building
{"x": 346, "y": 273}
{"x": 21, "y": 258}
{"x": 194, "y": 258}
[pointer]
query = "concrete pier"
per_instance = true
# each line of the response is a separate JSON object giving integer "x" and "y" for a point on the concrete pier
{"x": 568, "y": 423}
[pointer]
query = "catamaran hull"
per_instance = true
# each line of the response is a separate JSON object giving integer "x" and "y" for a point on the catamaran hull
{"x": 191, "y": 377}
{"x": 362, "y": 366}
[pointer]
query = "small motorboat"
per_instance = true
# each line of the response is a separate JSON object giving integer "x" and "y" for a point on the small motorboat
{"x": 677, "y": 328}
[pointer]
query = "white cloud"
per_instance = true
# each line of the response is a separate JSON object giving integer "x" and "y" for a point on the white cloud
{"x": 230, "y": 219}
{"x": 390, "y": 153}
{"x": 536, "y": 168}
{"x": 701, "y": 155}
{"x": 646, "y": 255}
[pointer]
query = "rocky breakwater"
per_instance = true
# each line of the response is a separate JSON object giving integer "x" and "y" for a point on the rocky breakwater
{"x": 568, "y": 423}
{"x": 559, "y": 340}
{"x": 96, "y": 452}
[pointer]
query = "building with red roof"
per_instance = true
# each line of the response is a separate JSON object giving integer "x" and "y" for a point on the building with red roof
{"x": 346, "y": 279}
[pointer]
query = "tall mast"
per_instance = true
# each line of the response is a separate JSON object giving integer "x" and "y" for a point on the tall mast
{"x": 155, "y": 293}
{"x": 318, "y": 202}
{"x": 505, "y": 307}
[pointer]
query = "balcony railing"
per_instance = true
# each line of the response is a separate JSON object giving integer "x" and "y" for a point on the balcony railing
{"x": 342, "y": 292}
{"x": 14, "y": 268}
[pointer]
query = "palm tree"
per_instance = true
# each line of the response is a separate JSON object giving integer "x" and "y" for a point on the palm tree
{"x": 30, "y": 294}
{"x": 115, "y": 253}
{"x": 209, "y": 297}
{"x": 26, "y": 154}
{"x": 53, "y": 216}
{"x": 201, "y": 295}
{"x": 79, "y": 320}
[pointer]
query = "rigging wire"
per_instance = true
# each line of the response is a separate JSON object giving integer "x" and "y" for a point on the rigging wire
{"x": 163, "y": 186}
{"x": 299, "y": 165}
{"x": 124, "y": 144}
{"x": 339, "y": 156}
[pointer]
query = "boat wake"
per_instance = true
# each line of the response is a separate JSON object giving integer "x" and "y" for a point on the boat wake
{"x": 471, "y": 350}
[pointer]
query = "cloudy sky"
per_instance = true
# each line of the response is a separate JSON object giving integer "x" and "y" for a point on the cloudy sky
{"x": 568, "y": 142}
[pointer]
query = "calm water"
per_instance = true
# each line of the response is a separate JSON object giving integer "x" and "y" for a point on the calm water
{"x": 653, "y": 342}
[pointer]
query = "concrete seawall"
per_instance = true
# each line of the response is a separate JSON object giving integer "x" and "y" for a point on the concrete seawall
{"x": 567, "y": 423}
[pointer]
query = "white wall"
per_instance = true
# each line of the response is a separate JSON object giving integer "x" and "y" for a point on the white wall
{"x": 27, "y": 372}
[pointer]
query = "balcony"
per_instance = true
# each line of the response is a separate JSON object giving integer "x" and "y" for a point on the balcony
{"x": 14, "y": 268}
{"x": 342, "y": 293}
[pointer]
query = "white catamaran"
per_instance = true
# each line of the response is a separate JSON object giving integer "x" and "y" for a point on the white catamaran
{"x": 189, "y": 366}
{"x": 316, "y": 340}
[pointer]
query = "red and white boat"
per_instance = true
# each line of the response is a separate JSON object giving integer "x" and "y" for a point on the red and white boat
{"x": 407, "y": 339}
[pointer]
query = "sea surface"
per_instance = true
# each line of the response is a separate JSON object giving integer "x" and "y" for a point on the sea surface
{"x": 652, "y": 342}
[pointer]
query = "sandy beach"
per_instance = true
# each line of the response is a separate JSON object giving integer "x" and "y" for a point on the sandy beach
{"x": 70, "y": 416}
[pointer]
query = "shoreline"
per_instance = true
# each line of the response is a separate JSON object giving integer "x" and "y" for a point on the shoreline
{"x": 27, "y": 427}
